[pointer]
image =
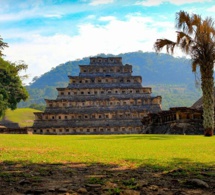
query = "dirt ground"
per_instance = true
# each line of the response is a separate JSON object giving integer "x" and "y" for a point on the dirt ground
{"x": 78, "y": 178}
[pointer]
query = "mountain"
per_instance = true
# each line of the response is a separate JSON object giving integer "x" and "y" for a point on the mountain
{"x": 170, "y": 77}
{"x": 154, "y": 68}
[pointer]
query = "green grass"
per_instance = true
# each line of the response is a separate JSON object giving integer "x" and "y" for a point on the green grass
{"x": 157, "y": 151}
{"x": 23, "y": 116}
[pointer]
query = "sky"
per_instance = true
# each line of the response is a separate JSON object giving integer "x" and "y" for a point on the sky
{"x": 46, "y": 33}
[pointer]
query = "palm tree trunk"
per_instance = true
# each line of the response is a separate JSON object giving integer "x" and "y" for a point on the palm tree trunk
{"x": 208, "y": 99}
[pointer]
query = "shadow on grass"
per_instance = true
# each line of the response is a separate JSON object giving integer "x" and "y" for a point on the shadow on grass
{"x": 176, "y": 163}
{"x": 130, "y": 136}
{"x": 66, "y": 178}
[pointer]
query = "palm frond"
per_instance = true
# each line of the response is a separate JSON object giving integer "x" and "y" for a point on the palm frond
{"x": 195, "y": 64}
{"x": 184, "y": 41}
{"x": 184, "y": 22}
{"x": 183, "y": 36}
{"x": 209, "y": 28}
{"x": 205, "y": 32}
{"x": 196, "y": 20}
{"x": 184, "y": 46}
{"x": 161, "y": 43}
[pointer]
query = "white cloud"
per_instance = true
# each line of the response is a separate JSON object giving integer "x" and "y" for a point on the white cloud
{"x": 176, "y": 2}
{"x": 42, "y": 53}
{"x": 99, "y": 2}
{"x": 90, "y": 17}
{"x": 27, "y": 14}
{"x": 211, "y": 9}
{"x": 107, "y": 18}
{"x": 53, "y": 15}
{"x": 150, "y": 2}
{"x": 117, "y": 36}
{"x": 39, "y": 11}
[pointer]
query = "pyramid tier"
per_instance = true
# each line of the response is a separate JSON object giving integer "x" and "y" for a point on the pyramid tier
{"x": 104, "y": 99}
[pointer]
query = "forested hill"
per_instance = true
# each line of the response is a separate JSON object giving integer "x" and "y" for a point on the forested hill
{"x": 154, "y": 69}
{"x": 170, "y": 77}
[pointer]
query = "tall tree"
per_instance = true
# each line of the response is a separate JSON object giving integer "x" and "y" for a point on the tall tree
{"x": 2, "y": 46}
{"x": 196, "y": 37}
{"x": 12, "y": 90}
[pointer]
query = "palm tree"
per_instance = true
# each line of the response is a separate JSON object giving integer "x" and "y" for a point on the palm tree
{"x": 196, "y": 37}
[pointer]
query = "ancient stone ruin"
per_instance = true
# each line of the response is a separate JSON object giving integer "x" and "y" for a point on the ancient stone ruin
{"x": 177, "y": 120}
{"x": 104, "y": 99}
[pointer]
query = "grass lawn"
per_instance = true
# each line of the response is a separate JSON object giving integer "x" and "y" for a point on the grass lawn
{"x": 23, "y": 116}
{"x": 156, "y": 151}
{"x": 107, "y": 164}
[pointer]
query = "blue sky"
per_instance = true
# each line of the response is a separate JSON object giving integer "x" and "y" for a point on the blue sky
{"x": 46, "y": 33}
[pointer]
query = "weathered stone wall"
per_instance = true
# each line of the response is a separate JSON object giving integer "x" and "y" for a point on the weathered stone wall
{"x": 180, "y": 127}
{"x": 15, "y": 131}
{"x": 89, "y": 130}
{"x": 8, "y": 123}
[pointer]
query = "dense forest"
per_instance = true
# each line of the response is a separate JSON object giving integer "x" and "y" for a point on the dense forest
{"x": 170, "y": 77}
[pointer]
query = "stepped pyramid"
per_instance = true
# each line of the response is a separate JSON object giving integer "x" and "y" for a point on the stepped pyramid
{"x": 104, "y": 99}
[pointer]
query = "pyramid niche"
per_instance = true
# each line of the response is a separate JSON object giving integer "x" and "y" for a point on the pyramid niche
{"x": 104, "y": 99}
